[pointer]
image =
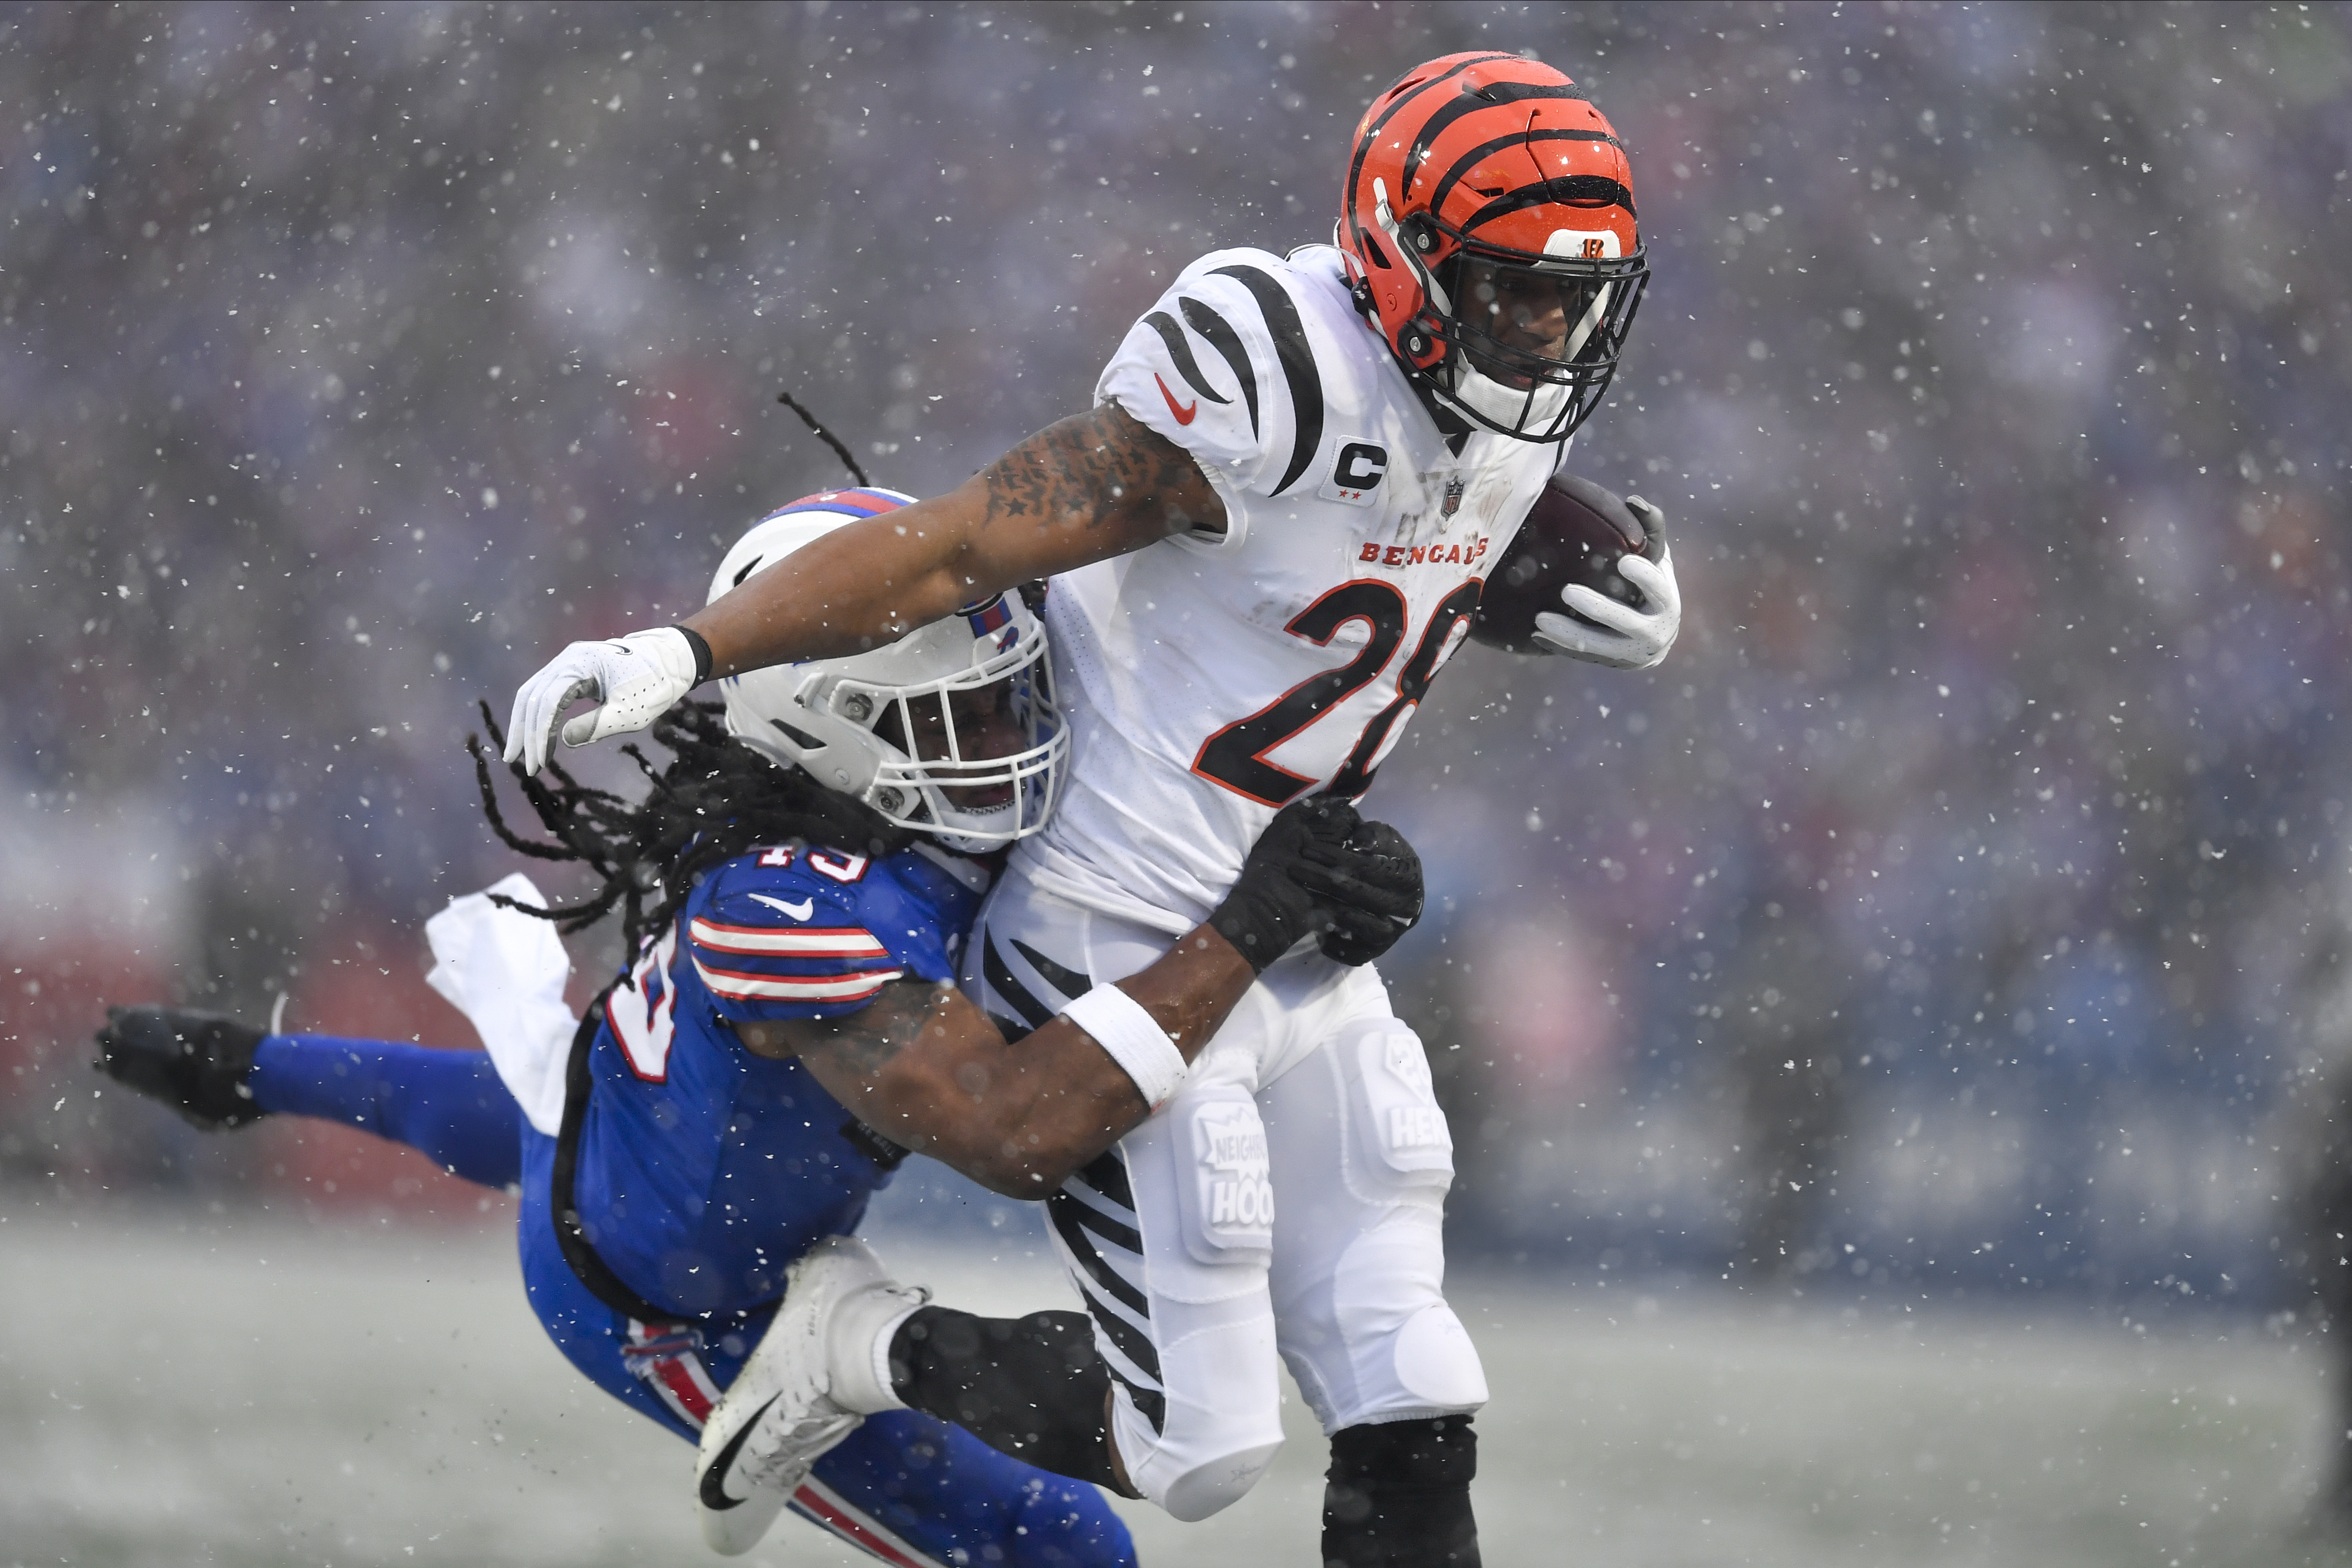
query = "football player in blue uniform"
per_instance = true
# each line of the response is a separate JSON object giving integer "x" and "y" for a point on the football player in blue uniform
{"x": 678, "y": 1150}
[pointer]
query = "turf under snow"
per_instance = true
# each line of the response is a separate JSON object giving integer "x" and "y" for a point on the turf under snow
{"x": 182, "y": 1389}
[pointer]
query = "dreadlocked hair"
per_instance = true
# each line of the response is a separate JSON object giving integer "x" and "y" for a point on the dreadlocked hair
{"x": 717, "y": 799}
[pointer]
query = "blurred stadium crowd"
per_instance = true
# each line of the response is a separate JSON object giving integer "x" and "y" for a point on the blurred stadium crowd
{"x": 1963, "y": 906}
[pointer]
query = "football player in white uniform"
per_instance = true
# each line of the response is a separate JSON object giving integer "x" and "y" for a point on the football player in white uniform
{"x": 1264, "y": 540}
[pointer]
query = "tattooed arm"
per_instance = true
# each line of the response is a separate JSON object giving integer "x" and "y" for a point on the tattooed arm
{"x": 1093, "y": 487}
{"x": 924, "y": 1067}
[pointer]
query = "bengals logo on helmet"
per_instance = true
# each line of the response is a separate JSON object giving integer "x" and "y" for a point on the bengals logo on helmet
{"x": 1502, "y": 161}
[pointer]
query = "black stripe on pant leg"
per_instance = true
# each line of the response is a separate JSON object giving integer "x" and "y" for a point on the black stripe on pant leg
{"x": 1107, "y": 1175}
{"x": 1127, "y": 1340}
{"x": 1111, "y": 1230}
{"x": 1071, "y": 983}
{"x": 1132, "y": 1342}
{"x": 1067, "y": 1215}
{"x": 1150, "y": 1401}
{"x": 1000, "y": 979}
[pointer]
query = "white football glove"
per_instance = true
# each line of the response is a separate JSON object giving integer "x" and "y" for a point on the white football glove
{"x": 1627, "y": 638}
{"x": 636, "y": 678}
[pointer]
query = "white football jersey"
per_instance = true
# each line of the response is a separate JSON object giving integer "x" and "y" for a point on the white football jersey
{"x": 1208, "y": 681}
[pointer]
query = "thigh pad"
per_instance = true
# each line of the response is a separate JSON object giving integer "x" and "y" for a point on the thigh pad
{"x": 1224, "y": 1197}
{"x": 1402, "y": 1144}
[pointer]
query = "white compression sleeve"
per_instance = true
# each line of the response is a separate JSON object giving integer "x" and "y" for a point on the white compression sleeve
{"x": 1122, "y": 1026}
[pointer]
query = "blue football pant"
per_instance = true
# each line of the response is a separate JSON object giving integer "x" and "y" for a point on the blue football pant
{"x": 909, "y": 1489}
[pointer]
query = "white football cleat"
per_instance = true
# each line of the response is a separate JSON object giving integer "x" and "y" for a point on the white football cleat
{"x": 778, "y": 1418}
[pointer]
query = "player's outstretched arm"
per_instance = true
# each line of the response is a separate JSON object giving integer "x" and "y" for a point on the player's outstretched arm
{"x": 1094, "y": 485}
{"x": 924, "y": 1067}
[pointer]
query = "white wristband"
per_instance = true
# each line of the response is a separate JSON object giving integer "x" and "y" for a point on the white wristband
{"x": 1123, "y": 1027}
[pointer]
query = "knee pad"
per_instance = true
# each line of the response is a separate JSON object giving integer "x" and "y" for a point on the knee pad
{"x": 1405, "y": 1350}
{"x": 1225, "y": 1198}
{"x": 1212, "y": 1488}
{"x": 1188, "y": 1481}
{"x": 1435, "y": 1363}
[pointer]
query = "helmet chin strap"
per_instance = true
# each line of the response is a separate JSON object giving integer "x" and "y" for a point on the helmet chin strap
{"x": 1587, "y": 321}
{"x": 1533, "y": 409}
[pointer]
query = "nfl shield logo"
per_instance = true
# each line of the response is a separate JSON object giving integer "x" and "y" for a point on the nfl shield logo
{"x": 1452, "y": 498}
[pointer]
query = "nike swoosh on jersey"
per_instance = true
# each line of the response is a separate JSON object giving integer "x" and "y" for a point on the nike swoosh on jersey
{"x": 714, "y": 1496}
{"x": 1183, "y": 412}
{"x": 801, "y": 911}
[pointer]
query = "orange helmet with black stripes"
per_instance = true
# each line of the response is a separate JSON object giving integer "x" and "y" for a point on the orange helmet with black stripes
{"x": 1489, "y": 229}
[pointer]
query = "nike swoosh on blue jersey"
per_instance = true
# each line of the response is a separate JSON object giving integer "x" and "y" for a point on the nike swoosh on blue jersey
{"x": 801, "y": 911}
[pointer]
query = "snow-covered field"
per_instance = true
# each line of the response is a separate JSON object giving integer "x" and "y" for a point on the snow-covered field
{"x": 183, "y": 1388}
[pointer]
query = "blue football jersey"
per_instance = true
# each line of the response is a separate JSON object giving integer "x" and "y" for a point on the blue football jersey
{"x": 704, "y": 1170}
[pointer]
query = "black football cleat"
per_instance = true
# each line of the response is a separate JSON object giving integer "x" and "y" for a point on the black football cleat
{"x": 194, "y": 1062}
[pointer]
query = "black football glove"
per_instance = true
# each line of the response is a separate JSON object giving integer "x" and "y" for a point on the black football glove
{"x": 1369, "y": 889}
{"x": 1270, "y": 908}
{"x": 194, "y": 1062}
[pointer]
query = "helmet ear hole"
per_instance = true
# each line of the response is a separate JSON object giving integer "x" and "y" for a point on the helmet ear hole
{"x": 799, "y": 738}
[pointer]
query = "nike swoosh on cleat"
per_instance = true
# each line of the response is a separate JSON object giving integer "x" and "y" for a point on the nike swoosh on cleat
{"x": 801, "y": 911}
{"x": 714, "y": 1480}
{"x": 1183, "y": 412}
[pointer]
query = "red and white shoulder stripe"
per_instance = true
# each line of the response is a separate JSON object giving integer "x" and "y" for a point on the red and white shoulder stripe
{"x": 738, "y": 986}
{"x": 805, "y": 942}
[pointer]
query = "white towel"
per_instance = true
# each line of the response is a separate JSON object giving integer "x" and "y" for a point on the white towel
{"x": 505, "y": 971}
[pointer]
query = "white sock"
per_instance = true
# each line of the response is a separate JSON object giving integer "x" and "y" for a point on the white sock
{"x": 857, "y": 1346}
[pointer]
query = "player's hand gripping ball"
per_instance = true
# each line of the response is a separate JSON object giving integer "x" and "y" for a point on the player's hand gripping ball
{"x": 1589, "y": 576}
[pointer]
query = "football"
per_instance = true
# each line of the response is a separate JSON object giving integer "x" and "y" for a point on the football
{"x": 1576, "y": 532}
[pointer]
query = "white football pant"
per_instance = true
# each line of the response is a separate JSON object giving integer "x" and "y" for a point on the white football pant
{"x": 1288, "y": 1199}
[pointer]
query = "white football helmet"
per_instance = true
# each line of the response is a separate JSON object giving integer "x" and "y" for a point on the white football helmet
{"x": 952, "y": 730}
